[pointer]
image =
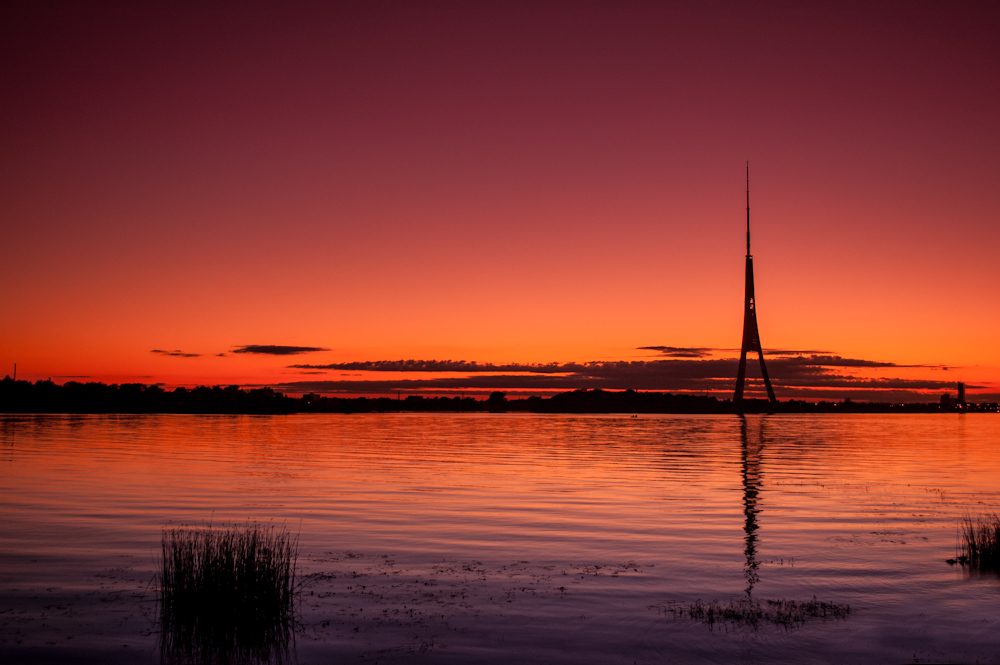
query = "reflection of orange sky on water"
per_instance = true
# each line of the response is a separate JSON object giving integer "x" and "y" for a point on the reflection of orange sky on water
{"x": 404, "y": 185}
{"x": 665, "y": 491}
{"x": 376, "y": 474}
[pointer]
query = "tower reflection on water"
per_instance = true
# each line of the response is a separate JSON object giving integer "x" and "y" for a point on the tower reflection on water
{"x": 752, "y": 446}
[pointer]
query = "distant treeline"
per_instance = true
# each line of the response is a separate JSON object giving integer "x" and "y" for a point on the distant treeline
{"x": 76, "y": 397}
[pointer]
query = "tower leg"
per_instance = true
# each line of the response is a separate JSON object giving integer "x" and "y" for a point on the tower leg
{"x": 740, "y": 376}
{"x": 767, "y": 382}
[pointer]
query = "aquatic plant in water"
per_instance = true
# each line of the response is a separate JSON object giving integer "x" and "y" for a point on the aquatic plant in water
{"x": 980, "y": 541}
{"x": 226, "y": 593}
{"x": 752, "y": 613}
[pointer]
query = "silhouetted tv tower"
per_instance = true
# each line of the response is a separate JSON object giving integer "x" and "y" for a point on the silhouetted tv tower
{"x": 751, "y": 337}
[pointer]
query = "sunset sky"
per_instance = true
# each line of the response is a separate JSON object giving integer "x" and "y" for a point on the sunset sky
{"x": 365, "y": 198}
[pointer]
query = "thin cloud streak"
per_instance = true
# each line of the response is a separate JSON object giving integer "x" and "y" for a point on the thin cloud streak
{"x": 705, "y": 351}
{"x": 683, "y": 351}
{"x": 176, "y": 353}
{"x": 277, "y": 350}
{"x": 443, "y": 366}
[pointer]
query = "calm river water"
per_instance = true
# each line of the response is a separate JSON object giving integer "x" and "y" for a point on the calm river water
{"x": 517, "y": 538}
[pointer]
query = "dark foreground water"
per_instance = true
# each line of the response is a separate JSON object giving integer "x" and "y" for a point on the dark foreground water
{"x": 517, "y": 538}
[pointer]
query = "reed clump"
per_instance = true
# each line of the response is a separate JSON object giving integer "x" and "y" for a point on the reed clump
{"x": 980, "y": 541}
{"x": 226, "y": 593}
{"x": 752, "y": 613}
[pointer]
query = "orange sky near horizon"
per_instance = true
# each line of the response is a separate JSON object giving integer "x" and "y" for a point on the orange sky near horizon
{"x": 499, "y": 183}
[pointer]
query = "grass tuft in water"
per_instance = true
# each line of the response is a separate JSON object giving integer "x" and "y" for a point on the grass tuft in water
{"x": 226, "y": 593}
{"x": 980, "y": 541}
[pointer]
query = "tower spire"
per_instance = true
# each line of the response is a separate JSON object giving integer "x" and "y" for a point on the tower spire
{"x": 748, "y": 209}
{"x": 751, "y": 335}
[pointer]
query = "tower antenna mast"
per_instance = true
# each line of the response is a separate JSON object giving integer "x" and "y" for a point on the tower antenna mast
{"x": 748, "y": 209}
{"x": 751, "y": 336}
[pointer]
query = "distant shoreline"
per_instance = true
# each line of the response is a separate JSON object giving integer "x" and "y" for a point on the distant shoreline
{"x": 135, "y": 398}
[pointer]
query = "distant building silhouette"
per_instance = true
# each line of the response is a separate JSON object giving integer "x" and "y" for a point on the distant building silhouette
{"x": 751, "y": 336}
{"x": 950, "y": 404}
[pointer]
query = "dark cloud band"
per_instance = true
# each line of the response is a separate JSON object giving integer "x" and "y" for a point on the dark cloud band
{"x": 793, "y": 375}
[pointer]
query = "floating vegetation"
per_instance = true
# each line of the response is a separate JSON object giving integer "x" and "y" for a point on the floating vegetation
{"x": 226, "y": 593}
{"x": 979, "y": 542}
{"x": 752, "y": 613}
